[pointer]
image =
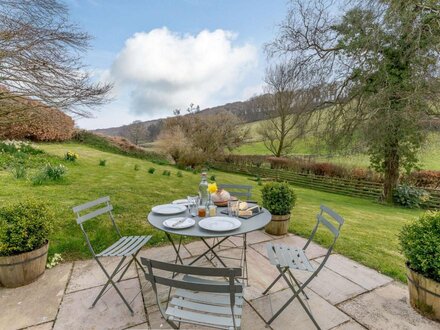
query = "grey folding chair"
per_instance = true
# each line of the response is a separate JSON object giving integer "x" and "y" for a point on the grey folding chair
{"x": 125, "y": 246}
{"x": 286, "y": 258}
{"x": 239, "y": 191}
{"x": 198, "y": 300}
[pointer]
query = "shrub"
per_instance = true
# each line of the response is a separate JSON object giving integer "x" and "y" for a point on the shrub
{"x": 37, "y": 124}
{"x": 278, "y": 198}
{"x": 136, "y": 167}
{"x": 71, "y": 156}
{"x": 49, "y": 173}
{"x": 409, "y": 197}
{"x": 166, "y": 173}
{"x": 102, "y": 162}
{"x": 24, "y": 226}
{"x": 179, "y": 174}
{"x": 430, "y": 179}
{"x": 212, "y": 177}
{"x": 151, "y": 170}
{"x": 420, "y": 244}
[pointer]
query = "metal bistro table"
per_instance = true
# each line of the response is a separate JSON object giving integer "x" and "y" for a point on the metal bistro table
{"x": 247, "y": 225}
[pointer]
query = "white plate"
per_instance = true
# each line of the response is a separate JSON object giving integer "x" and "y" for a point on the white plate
{"x": 220, "y": 223}
{"x": 181, "y": 202}
{"x": 168, "y": 209}
{"x": 182, "y": 222}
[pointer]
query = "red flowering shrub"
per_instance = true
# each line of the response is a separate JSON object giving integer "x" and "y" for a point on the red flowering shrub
{"x": 425, "y": 178}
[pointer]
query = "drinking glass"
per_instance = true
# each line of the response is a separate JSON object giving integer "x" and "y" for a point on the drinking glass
{"x": 212, "y": 210}
{"x": 193, "y": 202}
{"x": 233, "y": 208}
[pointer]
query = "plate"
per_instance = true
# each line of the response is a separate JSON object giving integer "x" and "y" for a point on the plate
{"x": 169, "y": 209}
{"x": 179, "y": 223}
{"x": 220, "y": 223}
{"x": 181, "y": 202}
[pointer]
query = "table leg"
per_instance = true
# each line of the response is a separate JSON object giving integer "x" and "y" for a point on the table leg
{"x": 177, "y": 250}
{"x": 210, "y": 249}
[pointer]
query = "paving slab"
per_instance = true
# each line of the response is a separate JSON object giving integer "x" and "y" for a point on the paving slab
{"x": 44, "y": 326}
{"x": 87, "y": 273}
{"x": 163, "y": 253}
{"x": 363, "y": 276}
{"x": 294, "y": 316}
{"x": 350, "y": 325}
{"x": 261, "y": 272}
{"x": 109, "y": 312}
{"x": 313, "y": 250}
{"x": 330, "y": 285}
{"x": 254, "y": 237}
{"x": 386, "y": 307}
{"x": 34, "y": 303}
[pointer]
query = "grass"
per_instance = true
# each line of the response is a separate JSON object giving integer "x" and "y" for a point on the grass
{"x": 369, "y": 236}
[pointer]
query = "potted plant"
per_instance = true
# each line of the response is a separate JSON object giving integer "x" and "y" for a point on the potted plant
{"x": 420, "y": 244}
{"x": 278, "y": 198}
{"x": 24, "y": 232}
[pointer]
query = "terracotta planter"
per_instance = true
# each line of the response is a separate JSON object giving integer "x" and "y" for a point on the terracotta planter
{"x": 278, "y": 225}
{"x": 23, "y": 268}
{"x": 424, "y": 294}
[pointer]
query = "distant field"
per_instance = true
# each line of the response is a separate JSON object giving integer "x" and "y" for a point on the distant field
{"x": 429, "y": 155}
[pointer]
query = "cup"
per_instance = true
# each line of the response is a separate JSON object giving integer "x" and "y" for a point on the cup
{"x": 233, "y": 208}
{"x": 212, "y": 210}
{"x": 202, "y": 211}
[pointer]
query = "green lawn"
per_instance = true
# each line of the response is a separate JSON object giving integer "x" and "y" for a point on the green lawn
{"x": 369, "y": 235}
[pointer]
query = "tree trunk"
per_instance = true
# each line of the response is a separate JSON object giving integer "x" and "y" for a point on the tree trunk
{"x": 391, "y": 174}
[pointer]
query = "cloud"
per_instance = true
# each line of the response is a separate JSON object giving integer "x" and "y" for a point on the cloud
{"x": 162, "y": 70}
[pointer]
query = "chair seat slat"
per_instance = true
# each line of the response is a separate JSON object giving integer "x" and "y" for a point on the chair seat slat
{"x": 206, "y": 319}
{"x": 129, "y": 243}
{"x": 114, "y": 246}
{"x": 206, "y": 306}
{"x": 221, "y": 299}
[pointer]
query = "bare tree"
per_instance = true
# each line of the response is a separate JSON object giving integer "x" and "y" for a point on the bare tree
{"x": 288, "y": 108}
{"x": 206, "y": 136}
{"x": 40, "y": 59}
{"x": 137, "y": 132}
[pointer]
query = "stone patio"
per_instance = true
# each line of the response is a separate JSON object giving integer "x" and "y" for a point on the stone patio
{"x": 346, "y": 295}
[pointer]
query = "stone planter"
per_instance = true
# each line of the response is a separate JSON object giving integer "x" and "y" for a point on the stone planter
{"x": 23, "y": 268}
{"x": 424, "y": 294}
{"x": 278, "y": 225}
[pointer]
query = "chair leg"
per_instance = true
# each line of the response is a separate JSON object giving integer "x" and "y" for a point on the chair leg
{"x": 295, "y": 295}
{"x": 297, "y": 284}
{"x": 125, "y": 270}
{"x": 110, "y": 281}
{"x": 275, "y": 281}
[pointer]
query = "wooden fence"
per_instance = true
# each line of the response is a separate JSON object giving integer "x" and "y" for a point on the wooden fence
{"x": 350, "y": 187}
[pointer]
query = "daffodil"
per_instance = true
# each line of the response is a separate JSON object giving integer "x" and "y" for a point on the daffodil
{"x": 212, "y": 187}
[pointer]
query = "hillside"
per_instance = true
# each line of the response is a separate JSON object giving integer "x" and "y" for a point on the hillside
{"x": 245, "y": 110}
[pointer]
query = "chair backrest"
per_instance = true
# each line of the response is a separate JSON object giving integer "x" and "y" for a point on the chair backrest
{"x": 230, "y": 286}
{"x": 237, "y": 190}
{"x": 100, "y": 206}
{"x": 331, "y": 221}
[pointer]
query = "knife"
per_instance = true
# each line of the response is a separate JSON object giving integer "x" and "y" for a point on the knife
{"x": 178, "y": 222}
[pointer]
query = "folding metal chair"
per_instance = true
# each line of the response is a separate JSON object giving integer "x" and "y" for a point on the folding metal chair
{"x": 125, "y": 246}
{"x": 198, "y": 300}
{"x": 286, "y": 258}
{"x": 245, "y": 191}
